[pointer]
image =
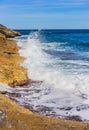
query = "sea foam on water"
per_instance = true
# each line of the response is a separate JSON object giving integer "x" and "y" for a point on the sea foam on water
{"x": 59, "y": 93}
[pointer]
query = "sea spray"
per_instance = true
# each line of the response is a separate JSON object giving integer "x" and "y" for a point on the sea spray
{"x": 64, "y": 90}
{"x": 39, "y": 63}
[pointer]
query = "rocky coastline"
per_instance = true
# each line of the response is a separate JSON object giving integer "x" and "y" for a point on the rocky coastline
{"x": 12, "y": 115}
{"x": 11, "y": 72}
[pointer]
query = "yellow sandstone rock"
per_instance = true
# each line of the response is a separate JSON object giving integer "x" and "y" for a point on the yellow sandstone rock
{"x": 8, "y": 33}
{"x": 11, "y": 72}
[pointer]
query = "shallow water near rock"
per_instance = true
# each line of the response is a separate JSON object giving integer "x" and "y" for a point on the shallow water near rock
{"x": 39, "y": 99}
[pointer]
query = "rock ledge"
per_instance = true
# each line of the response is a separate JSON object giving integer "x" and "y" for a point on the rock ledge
{"x": 8, "y": 33}
{"x": 11, "y": 72}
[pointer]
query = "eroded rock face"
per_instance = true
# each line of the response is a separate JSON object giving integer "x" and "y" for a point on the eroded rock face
{"x": 11, "y": 72}
{"x": 8, "y": 33}
{"x": 2, "y": 37}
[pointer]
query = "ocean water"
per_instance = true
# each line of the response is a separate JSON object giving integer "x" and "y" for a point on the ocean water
{"x": 59, "y": 61}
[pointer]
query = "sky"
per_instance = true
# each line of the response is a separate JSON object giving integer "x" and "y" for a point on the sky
{"x": 45, "y": 14}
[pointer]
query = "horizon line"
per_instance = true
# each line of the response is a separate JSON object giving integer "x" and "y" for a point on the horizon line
{"x": 49, "y": 29}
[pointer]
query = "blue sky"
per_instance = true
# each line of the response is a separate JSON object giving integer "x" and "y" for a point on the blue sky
{"x": 48, "y": 14}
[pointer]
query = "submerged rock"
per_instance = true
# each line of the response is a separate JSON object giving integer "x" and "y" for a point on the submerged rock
{"x": 20, "y": 83}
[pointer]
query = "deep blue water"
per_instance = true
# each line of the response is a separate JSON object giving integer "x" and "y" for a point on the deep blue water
{"x": 78, "y": 40}
{"x": 69, "y": 44}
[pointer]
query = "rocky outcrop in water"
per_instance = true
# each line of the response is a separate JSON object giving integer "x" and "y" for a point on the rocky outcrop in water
{"x": 8, "y": 33}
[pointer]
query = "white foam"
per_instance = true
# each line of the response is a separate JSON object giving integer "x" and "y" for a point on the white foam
{"x": 66, "y": 90}
{"x": 39, "y": 63}
{"x": 4, "y": 87}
